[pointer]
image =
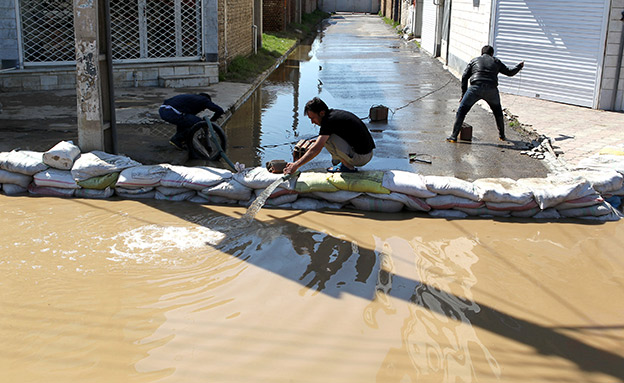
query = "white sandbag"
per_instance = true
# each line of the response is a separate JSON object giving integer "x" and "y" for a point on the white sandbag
{"x": 447, "y": 214}
{"x": 259, "y": 178}
{"x": 526, "y": 213}
{"x": 483, "y": 212}
{"x": 549, "y": 213}
{"x": 279, "y": 196}
{"x": 614, "y": 215}
{"x": 554, "y": 189}
{"x": 502, "y": 190}
{"x": 175, "y": 197}
{"x": 340, "y": 196}
{"x": 407, "y": 183}
{"x": 314, "y": 204}
{"x": 12, "y": 189}
{"x": 7, "y": 177}
{"x": 212, "y": 200}
{"x": 196, "y": 178}
{"x": 22, "y": 161}
{"x": 145, "y": 195}
{"x": 171, "y": 191}
{"x": 588, "y": 200}
{"x": 603, "y": 181}
{"x": 599, "y": 162}
{"x": 97, "y": 163}
{"x": 142, "y": 190}
{"x": 411, "y": 202}
{"x": 367, "y": 203}
{"x": 142, "y": 175}
{"x": 94, "y": 193}
{"x": 62, "y": 155}
{"x": 231, "y": 189}
{"x": 588, "y": 211}
{"x": 619, "y": 192}
{"x": 50, "y": 191}
{"x": 450, "y": 201}
{"x": 452, "y": 185}
{"x": 510, "y": 206}
{"x": 55, "y": 178}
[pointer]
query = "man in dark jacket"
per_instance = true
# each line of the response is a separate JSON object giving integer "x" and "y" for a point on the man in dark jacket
{"x": 483, "y": 72}
{"x": 342, "y": 133}
{"x": 181, "y": 111}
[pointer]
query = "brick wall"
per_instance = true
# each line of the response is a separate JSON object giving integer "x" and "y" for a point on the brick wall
{"x": 8, "y": 34}
{"x": 235, "y": 33}
{"x": 273, "y": 12}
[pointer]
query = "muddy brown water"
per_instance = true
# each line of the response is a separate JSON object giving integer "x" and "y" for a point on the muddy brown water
{"x": 156, "y": 291}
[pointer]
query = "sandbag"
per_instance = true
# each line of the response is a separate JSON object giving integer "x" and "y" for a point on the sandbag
{"x": 13, "y": 190}
{"x": 22, "y": 161}
{"x": 310, "y": 182}
{"x": 142, "y": 175}
{"x": 98, "y": 163}
{"x": 49, "y": 191}
{"x": 340, "y": 196}
{"x": 7, "y": 177}
{"x": 525, "y": 213}
{"x": 258, "y": 178}
{"x": 196, "y": 178}
{"x": 411, "y": 203}
{"x": 549, "y": 192}
{"x": 94, "y": 193}
{"x": 62, "y": 155}
{"x": 171, "y": 191}
{"x": 453, "y": 186}
{"x": 502, "y": 190}
{"x": 55, "y": 178}
{"x": 376, "y": 204}
{"x": 599, "y": 162}
{"x": 231, "y": 189}
{"x": 362, "y": 181}
{"x": 483, "y": 212}
{"x": 314, "y": 204}
{"x": 603, "y": 181}
{"x": 175, "y": 197}
{"x": 549, "y": 213}
{"x": 589, "y": 200}
{"x": 407, "y": 183}
{"x": 212, "y": 200}
{"x": 510, "y": 206}
{"x": 124, "y": 193}
{"x": 280, "y": 196}
{"x": 450, "y": 201}
{"x": 447, "y": 214}
{"x": 589, "y": 211}
{"x": 100, "y": 182}
{"x": 143, "y": 190}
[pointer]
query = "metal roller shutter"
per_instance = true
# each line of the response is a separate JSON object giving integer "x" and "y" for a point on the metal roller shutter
{"x": 561, "y": 42}
{"x": 429, "y": 23}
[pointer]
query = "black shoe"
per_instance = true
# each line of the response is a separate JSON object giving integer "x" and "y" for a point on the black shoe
{"x": 177, "y": 142}
{"x": 451, "y": 139}
{"x": 502, "y": 138}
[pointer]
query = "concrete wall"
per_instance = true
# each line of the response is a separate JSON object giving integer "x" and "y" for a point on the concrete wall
{"x": 235, "y": 29}
{"x": 9, "y": 55}
{"x": 310, "y": 6}
{"x": 470, "y": 30}
{"x": 608, "y": 83}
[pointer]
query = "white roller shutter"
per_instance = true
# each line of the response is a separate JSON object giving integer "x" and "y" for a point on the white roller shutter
{"x": 562, "y": 43}
{"x": 429, "y": 27}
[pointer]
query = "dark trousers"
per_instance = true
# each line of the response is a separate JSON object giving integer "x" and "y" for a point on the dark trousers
{"x": 183, "y": 122}
{"x": 477, "y": 92}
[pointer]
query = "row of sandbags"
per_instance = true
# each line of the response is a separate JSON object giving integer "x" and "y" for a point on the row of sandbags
{"x": 64, "y": 171}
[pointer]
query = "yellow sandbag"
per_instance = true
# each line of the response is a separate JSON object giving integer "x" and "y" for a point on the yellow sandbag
{"x": 100, "y": 182}
{"x": 616, "y": 151}
{"x": 308, "y": 182}
{"x": 362, "y": 181}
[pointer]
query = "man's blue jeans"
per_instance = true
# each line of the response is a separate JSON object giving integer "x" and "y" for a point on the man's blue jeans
{"x": 477, "y": 92}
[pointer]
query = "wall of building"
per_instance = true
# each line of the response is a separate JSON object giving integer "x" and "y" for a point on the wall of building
{"x": 470, "y": 30}
{"x": 608, "y": 84}
{"x": 9, "y": 55}
{"x": 235, "y": 29}
{"x": 310, "y": 6}
{"x": 273, "y": 15}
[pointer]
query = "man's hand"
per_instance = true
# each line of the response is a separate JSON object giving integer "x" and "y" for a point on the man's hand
{"x": 290, "y": 168}
{"x": 521, "y": 65}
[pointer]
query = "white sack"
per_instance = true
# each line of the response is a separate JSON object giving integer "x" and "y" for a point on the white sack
{"x": 525, "y": 213}
{"x": 20, "y": 179}
{"x": 196, "y": 178}
{"x": 367, "y": 203}
{"x": 483, "y": 212}
{"x": 62, "y": 155}
{"x": 97, "y": 163}
{"x": 314, "y": 204}
{"x": 589, "y": 211}
{"x": 12, "y": 189}
{"x": 340, "y": 196}
{"x": 447, "y": 214}
{"x": 259, "y": 178}
{"x": 231, "y": 189}
{"x": 603, "y": 181}
{"x": 450, "y": 201}
{"x": 588, "y": 200}
{"x": 94, "y": 193}
{"x": 50, "y": 191}
{"x": 212, "y": 200}
{"x": 406, "y": 183}
{"x": 176, "y": 197}
{"x": 600, "y": 162}
{"x": 502, "y": 190}
{"x": 549, "y": 192}
{"x": 55, "y": 178}
{"x": 411, "y": 202}
{"x": 549, "y": 213}
{"x": 23, "y": 162}
{"x": 141, "y": 176}
{"x": 145, "y": 195}
{"x": 142, "y": 190}
{"x": 510, "y": 206}
{"x": 452, "y": 185}
{"x": 279, "y": 196}
{"x": 171, "y": 191}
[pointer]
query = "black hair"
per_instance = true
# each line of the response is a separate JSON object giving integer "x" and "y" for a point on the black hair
{"x": 487, "y": 49}
{"x": 206, "y": 95}
{"x": 315, "y": 105}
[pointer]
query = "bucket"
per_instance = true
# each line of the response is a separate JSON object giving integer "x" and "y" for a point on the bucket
{"x": 465, "y": 134}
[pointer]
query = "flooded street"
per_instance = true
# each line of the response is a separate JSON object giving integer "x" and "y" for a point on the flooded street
{"x": 131, "y": 291}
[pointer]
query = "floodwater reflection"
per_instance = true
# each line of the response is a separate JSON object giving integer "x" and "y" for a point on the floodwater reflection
{"x": 161, "y": 291}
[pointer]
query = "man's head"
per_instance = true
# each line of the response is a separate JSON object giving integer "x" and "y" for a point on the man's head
{"x": 206, "y": 95}
{"x": 487, "y": 50}
{"x": 315, "y": 109}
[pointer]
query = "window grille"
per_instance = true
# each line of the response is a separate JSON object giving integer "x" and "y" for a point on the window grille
{"x": 47, "y": 30}
{"x": 145, "y": 30}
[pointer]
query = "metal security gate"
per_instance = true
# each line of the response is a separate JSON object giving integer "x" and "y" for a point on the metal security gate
{"x": 142, "y": 30}
{"x": 358, "y": 6}
{"x": 562, "y": 43}
{"x": 430, "y": 26}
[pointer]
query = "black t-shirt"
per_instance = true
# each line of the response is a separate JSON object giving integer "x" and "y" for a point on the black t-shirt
{"x": 349, "y": 127}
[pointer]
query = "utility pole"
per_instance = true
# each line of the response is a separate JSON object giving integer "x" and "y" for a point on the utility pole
{"x": 94, "y": 79}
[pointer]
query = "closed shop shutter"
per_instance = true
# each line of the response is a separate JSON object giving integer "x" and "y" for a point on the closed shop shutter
{"x": 561, "y": 42}
{"x": 429, "y": 22}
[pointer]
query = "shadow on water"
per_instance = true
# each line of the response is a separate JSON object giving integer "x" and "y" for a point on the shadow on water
{"x": 334, "y": 266}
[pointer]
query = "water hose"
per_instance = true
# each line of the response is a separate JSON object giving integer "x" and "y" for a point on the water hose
{"x": 215, "y": 141}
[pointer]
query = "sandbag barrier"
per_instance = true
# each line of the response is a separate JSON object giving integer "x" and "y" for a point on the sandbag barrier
{"x": 592, "y": 191}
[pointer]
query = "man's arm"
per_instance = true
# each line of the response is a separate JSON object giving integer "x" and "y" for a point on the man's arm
{"x": 504, "y": 69}
{"x": 465, "y": 77}
{"x": 312, "y": 152}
